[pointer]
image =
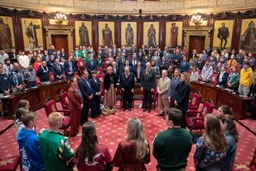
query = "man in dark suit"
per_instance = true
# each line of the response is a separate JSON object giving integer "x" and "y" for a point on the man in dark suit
{"x": 208, "y": 51}
{"x": 184, "y": 65}
{"x": 133, "y": 49}
{"x": 46, "y": 57}
{"x": 116, "y": 71}
{"x": 134, "y": 61}
{"x": 139, "y": 55}
{"x": 91, "y": 64}
{"x": 127, "y": 87}
{"x": 85, "y": 88}
{"x": 122, "y": 60}
{"x": 62, "y": 53}
{"x": 58, "y": 70}
{"x": 114, "y": 51}
{"x": 52, "y": 51}
{"x": 174, "y": 86}
{"x": 177, "y": 58}
{"x": 69, "y": 67}
{"x": 127, "y": 64}
{"x": 13, "y": 56}
{"x": 123, "y": 49}
{"x": 148, "y": 80}
{"x": 138, "y": 72}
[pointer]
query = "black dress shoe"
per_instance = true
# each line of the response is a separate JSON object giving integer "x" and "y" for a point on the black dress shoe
{"x": 123, "y": 109}
{"x": 144, "y": 110}
{"x": 160, "y": 114}
{"x": 149, "y": 110}
{"x": 130, "y": 109}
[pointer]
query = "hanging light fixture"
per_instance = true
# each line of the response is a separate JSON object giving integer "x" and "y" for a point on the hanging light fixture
{"x": 60, "y": 18}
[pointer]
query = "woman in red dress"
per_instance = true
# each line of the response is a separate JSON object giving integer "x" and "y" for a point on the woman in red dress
{"x": 75, "y": 105}
{"x": 132, "y": 154}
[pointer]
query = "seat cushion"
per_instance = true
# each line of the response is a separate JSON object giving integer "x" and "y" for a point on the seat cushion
{"x": 66, "y": 122}
{"x": 9, "y": 163}
{"x": 198, "y": 125}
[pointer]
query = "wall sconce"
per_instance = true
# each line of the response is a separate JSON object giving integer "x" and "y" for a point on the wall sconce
{"x": 60, "y": 18}
{"x": 197, "y": 19}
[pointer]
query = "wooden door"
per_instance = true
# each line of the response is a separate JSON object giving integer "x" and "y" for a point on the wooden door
{"x": 61, "y": 41}
{"x": 197, "y": 43}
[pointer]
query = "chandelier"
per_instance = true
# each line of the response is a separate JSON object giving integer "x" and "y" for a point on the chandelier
{"x": 197, "y": 19}
{"x": 60, "y": 18}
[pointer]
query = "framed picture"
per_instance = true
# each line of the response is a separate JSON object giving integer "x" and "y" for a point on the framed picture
{"x": 151, "y": 34}
{"x": 248, "y": 35}
{"x": 106, "y": 33}
{"x": 222, "y": 37}
{"x": 7, "y": 33}
{"x": 128, "y": 33}
{"x": 32, "y": 34}
{"x": 174, "y": 34}
{"x": 83, "y": 31}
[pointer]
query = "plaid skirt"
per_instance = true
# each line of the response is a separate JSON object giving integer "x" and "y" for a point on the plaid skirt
{"x": 110, "y": 96}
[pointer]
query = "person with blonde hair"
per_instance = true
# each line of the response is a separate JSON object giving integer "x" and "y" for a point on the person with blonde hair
{"x": 55, "y": 149}
{"x": 211, "y": 148}
{"x": 228, "y": 127}
{"x": 182, "y": 97}
{"x": 110, "y": 88}
{"x": 90, "y": 155}
{"x": 132, "y": 153}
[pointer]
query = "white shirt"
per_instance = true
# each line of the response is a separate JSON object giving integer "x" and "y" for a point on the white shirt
{"x": 3, "y": 57}
{"x": 24, "y": 61}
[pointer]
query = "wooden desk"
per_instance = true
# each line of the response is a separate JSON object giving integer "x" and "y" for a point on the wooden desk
{"x": 35, "y": 96}
{"x": 220, "y": 97}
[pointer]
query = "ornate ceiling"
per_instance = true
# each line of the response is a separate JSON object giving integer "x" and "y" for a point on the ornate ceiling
{"x": 160, "y": 7}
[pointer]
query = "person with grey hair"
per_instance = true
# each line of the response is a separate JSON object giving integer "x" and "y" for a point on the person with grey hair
{"x": 148, "y": 80}
{"x": 16, "y": 77}
{"x": 58, "y": 70}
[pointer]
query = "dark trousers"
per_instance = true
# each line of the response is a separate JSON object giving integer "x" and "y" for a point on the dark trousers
{"x": 30, "y": 84}
{"x": 127, "y": 97}
{"x": 147, "y": 99}
{"x": 254, "y": 107}
{"x": 95, "y": 106}
{"x": 84, "y": 112}
{"x": 183, "y": 122}
{"x": 68, "y": 76}
{"x": 199, "y": 168}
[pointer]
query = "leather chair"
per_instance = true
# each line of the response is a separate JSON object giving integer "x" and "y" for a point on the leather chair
{"x": 51, "y": 76}
{"x": 99, "y": 69}
{"x": 213, "y": 79}
{"x": 200, "y": 76}
{"x": 195, "y": 100}
{"x": 80, "y": 65}
{"x": 195, "y": 118}
{"x": 38, "y": 82}
{"x": 155, "y": 95}
{"x": 64, "y": 100}
{"x": 243, "y": 167}
{"x": 50, "y": 107}
{"x": 10, "y": 163}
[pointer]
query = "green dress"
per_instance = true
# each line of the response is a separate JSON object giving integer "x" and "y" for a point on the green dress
{"x": 56, "y": 151}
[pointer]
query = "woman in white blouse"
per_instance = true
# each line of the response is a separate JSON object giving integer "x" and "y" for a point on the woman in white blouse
{"x": 194, "y": 74}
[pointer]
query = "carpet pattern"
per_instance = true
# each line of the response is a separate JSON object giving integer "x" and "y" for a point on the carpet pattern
{"x": 112, "y": 129}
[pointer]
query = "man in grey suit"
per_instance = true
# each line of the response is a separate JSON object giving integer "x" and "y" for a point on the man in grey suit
{"x": 156, "y": 58}
{"x": 163, "y": 89}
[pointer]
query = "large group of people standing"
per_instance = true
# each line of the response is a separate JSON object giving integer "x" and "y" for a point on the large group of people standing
{"x": 167, "y": 73}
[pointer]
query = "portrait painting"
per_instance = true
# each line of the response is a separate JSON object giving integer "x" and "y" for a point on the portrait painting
{"x": 32, "y": 32}
{"x": 173, "y": 34}
{"x": 128, "y": 33}
{"x": 222, "y": 37}
{"x": 151, "y": 34}
{"x": 83, "y": 31}
{"x": 6, "y": 33}
{"x": 106, "y": 33}
{"x": 248, "y": 35}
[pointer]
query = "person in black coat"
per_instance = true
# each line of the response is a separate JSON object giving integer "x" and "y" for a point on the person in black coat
{"x": 43, "y": 73}
{"x": 95, "y": 105}
{"x": 110, "y": 88}
{"x": 182, "y": 98}
{"x": 148, "y": 80}
{"x": 116, "y": 71}
{"x": 184, "y": 65}
{"x": 87, "y": 92}
{"x": 127, "y": 64}
{"x": 163, "y": 64}
{"x": 222, "y": 77}
{"x": 91, "y": 65}
{"x": 58, "y": 71}
{"x": 127, "y": 87}
{"x": 50, "y": 63}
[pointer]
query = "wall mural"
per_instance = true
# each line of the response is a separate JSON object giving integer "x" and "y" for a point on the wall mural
{"x": 32, "y": 34}
{"x": 83, "y": 31}
{"x": 106, "y": 33}
{"x": 6, "y": 33}
{"x": 173, "y": 34}
{"x": 128, "y": 33}
{"x": 248, "y": 35}
{"x": 151, "y": 34}
{"x": 222, "y": 37}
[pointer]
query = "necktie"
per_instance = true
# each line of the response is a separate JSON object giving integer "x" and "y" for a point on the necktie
{"x": 138, "y": 75}
{"x": 161, "y": 85}
{"x": 88, "y": 83}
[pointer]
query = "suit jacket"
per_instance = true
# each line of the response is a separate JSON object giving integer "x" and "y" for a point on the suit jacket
{"x": 184, "y": 66}
{"x": 136, "y": 72}
{"x": 163, "y": 65}
{"x": 107, "y": 81}
{"x": 174, "y": 88}
{"x": 139, "y": 56}
{"x": 90, "y": 67}
{"x": 85, "y": 89}
{"x": 117, "y": 73}
{"x": 131, "y": 62}
{"x": 127, "y": 83}
{"x": 148, "y": 80}
{"x": 75, "y": 100}
{"x": 63, "y": 54}
{"x": 209, "y": 52}
{"x": 46, "y": 58}
{"x": 130, "y": 67}
{"x": 183, "y": 96}
{"x": 165, "y": 87}
{"x": 66, "y": 66}
{"x": 56, "y": 72}
{"x": 121, "y": 63}
{"x": 224, "y": 80}
{"x": 95, "y": 85}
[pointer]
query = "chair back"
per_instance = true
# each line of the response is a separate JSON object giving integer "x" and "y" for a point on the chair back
{"x": 80, "y": 63}
{"x": 155, "y": 89}
{"x": 214, "y": 79}
{"x": 101, "y": 77}
{"x": 99, "y": 69}
{"x": 64, "y": 100}
{"x": 50, "y": 106}
{"x": 200, "y": 76}
{"x": 38, "y": 82}
{"x": 51, "y": 76}
{"x": 206, "y": 109}
{"x": 195, "y": 101}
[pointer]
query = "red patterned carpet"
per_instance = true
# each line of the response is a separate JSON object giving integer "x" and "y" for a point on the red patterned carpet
{"x": 111, "y": 130}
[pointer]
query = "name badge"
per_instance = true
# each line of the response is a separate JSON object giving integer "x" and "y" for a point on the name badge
{"x": 5, "y": 78}
{"x": 45, "y": 71}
